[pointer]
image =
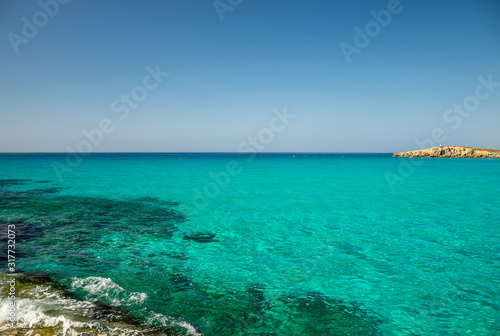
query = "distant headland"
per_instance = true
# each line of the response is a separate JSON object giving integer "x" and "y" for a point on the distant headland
{"x": 453, "y": 152}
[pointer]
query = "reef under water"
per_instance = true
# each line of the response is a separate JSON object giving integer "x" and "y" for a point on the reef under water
{"x": 102, "y": 266}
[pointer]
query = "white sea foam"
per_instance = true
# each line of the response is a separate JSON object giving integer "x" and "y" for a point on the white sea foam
{"x": 104, "y": 289}
{"x": 167, "y": 321}
{"x": 44, "y": 306}
{"x": 32, "y": 313}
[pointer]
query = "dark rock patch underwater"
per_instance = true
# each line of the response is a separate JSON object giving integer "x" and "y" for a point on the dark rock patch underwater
{"x": 201, "y": 237}
{"x": 70, "y": 230}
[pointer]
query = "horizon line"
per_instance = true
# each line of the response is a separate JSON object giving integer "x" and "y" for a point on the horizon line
{"x": 217, "y": 152}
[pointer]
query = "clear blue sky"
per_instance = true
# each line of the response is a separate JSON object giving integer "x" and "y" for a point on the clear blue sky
{"x": 226, "y": 76}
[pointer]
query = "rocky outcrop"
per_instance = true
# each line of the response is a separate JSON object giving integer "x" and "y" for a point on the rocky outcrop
{"x": 452, "y": 152}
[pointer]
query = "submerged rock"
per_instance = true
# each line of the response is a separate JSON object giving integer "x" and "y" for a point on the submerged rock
{"x": 12, "y": 182}
{"x": 201, "y": 237}
{"x": 253, "y": 310}
{"x": 28, "y": 193}
{"x": 317, "y": 314}
{"x": 74, "y": 230}
{"x": 257, "y": 297}
{"x": 178, "y": 256}
{"x": 179, "y": 282}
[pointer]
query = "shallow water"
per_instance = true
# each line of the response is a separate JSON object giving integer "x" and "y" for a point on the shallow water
{"x": 282, "y": 244}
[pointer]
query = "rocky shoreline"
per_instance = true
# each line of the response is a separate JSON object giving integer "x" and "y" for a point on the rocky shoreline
{"x": 453, "y": 152}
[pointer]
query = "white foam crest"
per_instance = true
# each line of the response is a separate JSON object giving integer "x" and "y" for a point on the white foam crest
{"x": 49, "y": 294}
{"x": 33, "y": 313}
{"x": 30, "y": 313}
{"x": 105, "y": 289}
{"x": 38, "y": 310}
{"x": 167, "y": 321}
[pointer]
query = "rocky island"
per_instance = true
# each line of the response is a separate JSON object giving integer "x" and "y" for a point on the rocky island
{"x": 453, "y": 152}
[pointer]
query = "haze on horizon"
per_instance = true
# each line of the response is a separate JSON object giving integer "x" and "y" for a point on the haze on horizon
{"x": 207, "y": 75}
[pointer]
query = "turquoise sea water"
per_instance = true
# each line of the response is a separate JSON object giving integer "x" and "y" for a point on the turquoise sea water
{"x": 279, "y": 244}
